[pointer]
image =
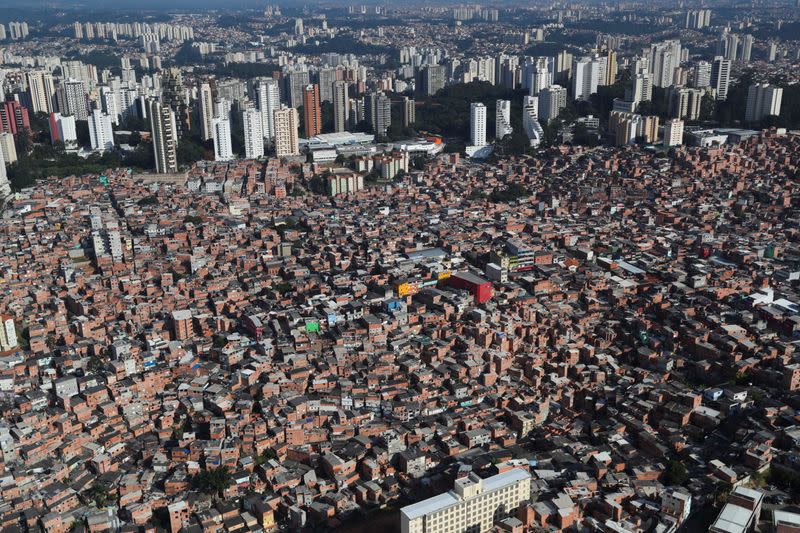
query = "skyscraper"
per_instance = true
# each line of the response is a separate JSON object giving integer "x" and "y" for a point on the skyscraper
{"x": 563, "y": 67}
{"x": 530, "y": 120}
{"x": 286, "y": 142}
{"x": 253, "y": 134}
{"x": 747, "y": 48}
{"x": 295, "y": 81}
{"x": 430, "y": 79}
{"x": 340, "y": 105}
{"x": 5, "y": 186}
{"x": 664, "y": 58}
{"x": 267, "y": 97}
{"x": 611, "y": 67}
{"x": 673, "y": 132}
{"x": 409, "y": 112}
{"x": 41, "y": 91}
{"x": 684, "y": 102}
{"x": 72, "y": 99}
{"x": 312, "y": 114}
{"x": 763, "y": 99}
{"x": 222, "y": 138}
{"x": 326, "y": 77}
{"x": 502, "y": 121}
{"x": 378, "y": 108}
{"x": 8, "y": 148}
{"x": 13, "y": 117}
{"x": 702, "y": 75}
{"x": 206, "y": 110}
{"x": 62, "y": 129}
{"x": 101, "y": 134}
{"x": 721, "y": 76}
{"x": 551, "y": 101}
{"x": 477, "y": 124}
{"x": 165, "y": 137}
{"x": 585, "y": 77}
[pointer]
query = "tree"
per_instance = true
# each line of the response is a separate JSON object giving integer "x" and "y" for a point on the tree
{"x": 100, "y": 493}
{"x": 708, "y": 107}
{"x": 213, "y": 481}
{"x": 189, "y": 151}
{"x": 675, "y": 473}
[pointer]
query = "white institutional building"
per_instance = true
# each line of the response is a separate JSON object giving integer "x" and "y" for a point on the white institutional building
{"x": 473, "y": 505}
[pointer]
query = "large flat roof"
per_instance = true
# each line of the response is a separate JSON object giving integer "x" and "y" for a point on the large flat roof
{"x": 449, "y": 498}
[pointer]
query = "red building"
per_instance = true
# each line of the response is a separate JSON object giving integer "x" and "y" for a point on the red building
{"x": 480, "y": 288}
{"x": 13, "y": 117}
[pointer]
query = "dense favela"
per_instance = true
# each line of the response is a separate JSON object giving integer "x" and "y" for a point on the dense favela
{"x": 401, "y": 267}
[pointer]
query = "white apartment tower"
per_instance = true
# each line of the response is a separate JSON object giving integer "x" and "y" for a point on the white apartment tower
{"x": 253, "y": 134}
{"x": 530, "y": 120}
{"x": 502, "y": 123}
{"x": 551, "y": 101}
{"x": 222, "y": 138}
{"x": 673, "y": 132}
{"x": 101, "y": 133}
{"x": 763, "y": 99}
{"x": 477, "y": 122}
{"x": 721, "y": 76}
{"x": 586, "y": 73}
{"x": 268, "y": 100}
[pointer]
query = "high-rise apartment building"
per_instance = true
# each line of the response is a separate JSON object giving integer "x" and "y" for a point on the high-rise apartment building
{"x": 41, "y": 91}
{"x": 586, "y": 74}
{"x": 409, "y": 112}
{"x": 747, "y": 48}
{"x": 206, "y": 111}
{"x": 326, "y": 77}
{"x": 341, "y": 103}
{"x": 295, "y": 81}
{"x": 286, "y": 141}
{"x": 665, "y": 58}
{"x": 763, "y": 100}
{"x": 13, "y": 117}
{"x": 551, "y": 101}
{"x": 312, "y": 114}
{"x": 702, "y": 75}
{"x": 267, "y": 98}
{"x": 5, "y": 191}
{"x": 72, "y": 99}
{"x": 473, "y": 505}
{"x": 223, "y": 151}
{"x": 721, "y": 76}
{"x": 612, "y": 68}
{"x": 563, "y": 67}
{"x": 477, "y": 124}
{"x": 8, "y": 148}
{"x": 697, "y": 19}
{"x": 253, "y": 134}
{"x": 684, "y": 102}
{"x": 63, "y": 129}
{"x": 673, "y": 132}
{"x": 530, "y": 120}
{"x": 430, "y": 79}
{"x": 101, "y": 134}
{"x": 378, "y": 108}
{"x": 165, "y": 137}
{"x": 502, "y": 121}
